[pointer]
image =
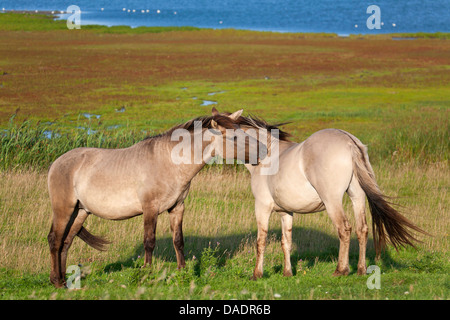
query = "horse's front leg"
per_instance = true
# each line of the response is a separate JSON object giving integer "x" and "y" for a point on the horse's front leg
{"x": 176, "y": 225}
{"x": 150, "y": 218}
{"x": 262, "y": 212}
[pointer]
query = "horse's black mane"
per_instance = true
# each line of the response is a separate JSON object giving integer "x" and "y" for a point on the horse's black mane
{"x": 255, "y": 122}
{"x": 223, "y": 120}
{"x": 206, "y": 123}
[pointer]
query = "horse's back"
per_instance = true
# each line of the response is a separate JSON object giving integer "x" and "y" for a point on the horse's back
{"x": 63, "y": 168}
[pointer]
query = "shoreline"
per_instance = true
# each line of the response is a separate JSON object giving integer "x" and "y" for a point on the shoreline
{"x": 48, "y": 12}
{"x": 58, "y": 16}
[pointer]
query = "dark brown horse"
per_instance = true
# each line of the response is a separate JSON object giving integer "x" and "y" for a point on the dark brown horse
{"x": 147, "y": 178}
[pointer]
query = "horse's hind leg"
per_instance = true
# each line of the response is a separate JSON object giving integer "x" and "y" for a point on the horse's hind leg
{"x": 63, "y": 219}
{"x": 331, "y": 184}
{"x": 358, "y": 198}
{"x": 337, "y": 215}
{"x": 78, "y": 221}
{"x": 54, "y": 240}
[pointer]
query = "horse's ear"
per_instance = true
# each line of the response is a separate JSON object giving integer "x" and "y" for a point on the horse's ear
{"x": 236, "y": 114}
{"x": 214, "y": 111}
{"x": 214, "y": 124}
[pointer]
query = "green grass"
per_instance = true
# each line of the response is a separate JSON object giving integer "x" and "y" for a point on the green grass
{"x": 213, "y": 274}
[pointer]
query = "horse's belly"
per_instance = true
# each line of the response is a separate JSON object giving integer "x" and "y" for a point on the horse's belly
{"x": 305, "y": 202}
{"x": 296, "y": 195}
{"x": 118, "y": 205}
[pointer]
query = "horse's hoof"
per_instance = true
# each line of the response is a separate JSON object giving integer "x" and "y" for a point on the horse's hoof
{"x": 361, "y": 271}
{"x": 339, "y": 273}
{"x": 256, "y": 276}
{"x": 287, "y": 273}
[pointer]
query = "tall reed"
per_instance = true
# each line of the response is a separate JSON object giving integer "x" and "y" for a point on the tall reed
{"x": 36, "y": 145}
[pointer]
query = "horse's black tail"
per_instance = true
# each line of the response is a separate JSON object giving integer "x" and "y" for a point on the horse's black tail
{"x": 387, "y": 223}
{"x": 94, "y": 241}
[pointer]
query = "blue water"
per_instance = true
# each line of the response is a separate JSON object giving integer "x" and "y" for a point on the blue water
{"x": 342, "y": 17}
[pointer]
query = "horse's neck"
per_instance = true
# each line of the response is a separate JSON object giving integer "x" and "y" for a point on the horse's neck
{"x": 160, "y": 149}
{"x": 196, "y": 162}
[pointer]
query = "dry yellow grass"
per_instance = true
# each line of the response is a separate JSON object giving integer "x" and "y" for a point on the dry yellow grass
{"x": 219, "y": 209}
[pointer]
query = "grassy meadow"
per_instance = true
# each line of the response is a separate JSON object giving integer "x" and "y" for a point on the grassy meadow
{"x": 111, "y": 87}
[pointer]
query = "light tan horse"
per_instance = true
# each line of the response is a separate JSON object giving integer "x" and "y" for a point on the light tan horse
{"x": 142, "y": 179}
{"x": 313, "y": 176}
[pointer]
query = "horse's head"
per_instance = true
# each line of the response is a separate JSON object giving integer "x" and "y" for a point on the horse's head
{"x": 268, "y": 136}
{"x": 231, "y": 142}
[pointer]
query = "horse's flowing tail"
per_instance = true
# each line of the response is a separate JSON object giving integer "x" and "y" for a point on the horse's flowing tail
{"x": 387, "y": 223}
{"x": 94, "y": 241}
